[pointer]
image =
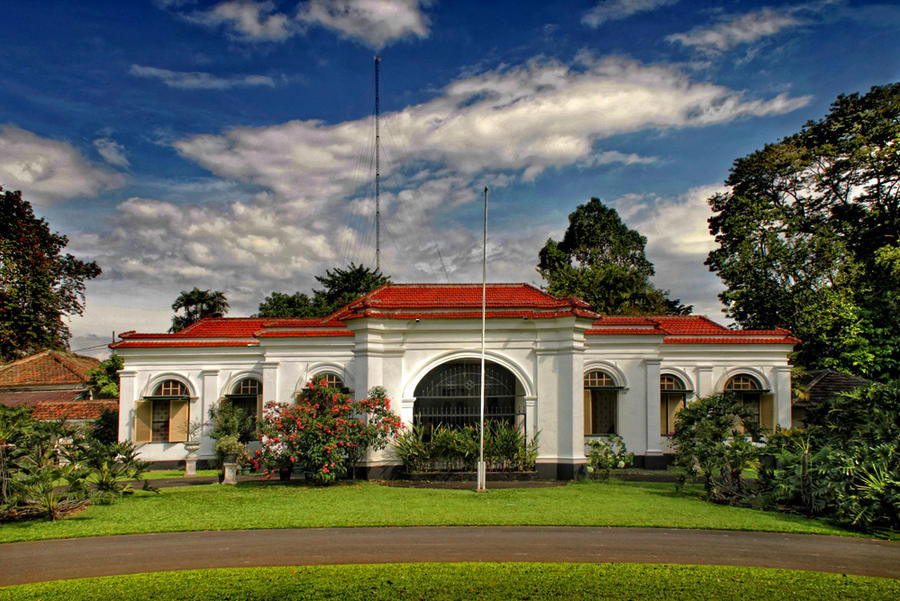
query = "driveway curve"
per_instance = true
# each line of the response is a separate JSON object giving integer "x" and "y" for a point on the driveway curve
{"x": 111, "y": 555}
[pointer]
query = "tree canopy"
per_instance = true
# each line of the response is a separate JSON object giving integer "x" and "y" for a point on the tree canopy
{"x": 38, "y": 284}
{"x": 807, "y": 237}
{"x": 340, "y": 286}
{"x": 197, "y": 304}
{"x": 104, "y": 379}
{"x": 602, "y": 261}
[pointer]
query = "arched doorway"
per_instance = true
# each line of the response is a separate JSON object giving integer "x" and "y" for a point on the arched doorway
{"x": 450, "y": 395}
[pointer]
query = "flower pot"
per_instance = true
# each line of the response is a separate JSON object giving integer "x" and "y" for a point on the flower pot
{"x": 230, "y": 458}
{"x": 284, "y": 474}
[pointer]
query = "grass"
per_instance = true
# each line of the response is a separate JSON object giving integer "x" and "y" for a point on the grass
{"x": 160, "y": 474}
{"x": 486, "y": 581}
{"x": 271, "y": 505}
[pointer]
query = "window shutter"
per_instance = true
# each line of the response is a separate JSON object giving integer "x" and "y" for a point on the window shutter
{"x": 178, "y": 421}
{"x": 588, "y": 428}
{"x": 143, "y": 417}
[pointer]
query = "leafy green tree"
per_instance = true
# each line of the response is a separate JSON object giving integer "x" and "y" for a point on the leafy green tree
{"x": 197, "y": 304}
{"x": 104, "y": 379}
{"x": 280, "y": 304}
{"x": 340, "y": 286}
{"x": 807, "y": 237}
{"x": 603, "y": 262}
{"x": 38, "y": 284}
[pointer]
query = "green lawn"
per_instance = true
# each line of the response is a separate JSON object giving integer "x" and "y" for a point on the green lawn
{"x": 272, "y": 505}
{"x": 486, "y": 581}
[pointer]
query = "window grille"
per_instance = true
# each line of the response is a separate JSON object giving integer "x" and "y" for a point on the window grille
{"x": 171, "y": 388}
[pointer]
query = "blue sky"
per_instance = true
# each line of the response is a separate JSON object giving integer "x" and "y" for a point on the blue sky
{"x": 229, "y": 144}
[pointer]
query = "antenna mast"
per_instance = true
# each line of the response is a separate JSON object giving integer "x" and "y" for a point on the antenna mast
{"x": 377, "y": 170}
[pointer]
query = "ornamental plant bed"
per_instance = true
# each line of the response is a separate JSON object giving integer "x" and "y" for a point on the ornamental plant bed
{"x": 523, "y": 476}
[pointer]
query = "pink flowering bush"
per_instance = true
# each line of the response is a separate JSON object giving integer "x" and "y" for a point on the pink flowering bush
{"x": 325, "y": 432}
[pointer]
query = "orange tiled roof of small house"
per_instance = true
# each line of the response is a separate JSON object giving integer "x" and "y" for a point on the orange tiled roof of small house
{"x": 47, "y": 369}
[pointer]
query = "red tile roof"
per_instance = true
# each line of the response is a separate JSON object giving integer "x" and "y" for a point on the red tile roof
{"x": 687, "y": 329}
{"x": 74, "y": 410}
{"x": 452, "y": 301}
{"x": 14, "y": 399}
{"x": 47, "y": 368}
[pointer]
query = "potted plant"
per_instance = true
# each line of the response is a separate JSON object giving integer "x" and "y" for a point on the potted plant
{"x": 228, "y": 448}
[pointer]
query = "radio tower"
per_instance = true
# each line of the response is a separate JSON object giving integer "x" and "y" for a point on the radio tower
{"x": 377, "y": 171}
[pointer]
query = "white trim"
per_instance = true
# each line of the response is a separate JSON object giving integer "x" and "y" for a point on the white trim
{"x": 320, "y": 367}
{"x": 610, "y": 368}
{"x": 156, "y": 380}
{"x": 409, "y": 388}
{"x": 241, "y": 375}
{"x": 734, "y": 371}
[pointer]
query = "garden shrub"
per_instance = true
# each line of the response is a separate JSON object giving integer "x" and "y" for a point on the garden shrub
{"x": 607, "y": 454}
{"x": 715, "y": 437}
{"x": 453, "y": 449}
{"x": 325, "y": 432}
{"x": 846, "y": 464}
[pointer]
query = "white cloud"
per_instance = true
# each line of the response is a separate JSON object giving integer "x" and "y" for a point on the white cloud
{"x": 617, "y": 10}
{"x": 742, "y": 29}
{"x": 246, "y": 20}
{"x": 499, "y": 126}
{"x": 374, "y": 22}
{"x": 192, "y": 80}
{"x": 678, "y": 241}
{"x": 111, "y": 151}
{"x": 48, "y": 171}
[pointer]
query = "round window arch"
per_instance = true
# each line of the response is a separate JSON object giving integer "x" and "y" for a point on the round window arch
{"x": 749, "y": 390}
{"x": 246, "y": 395}
{"x": 450, "y": 395}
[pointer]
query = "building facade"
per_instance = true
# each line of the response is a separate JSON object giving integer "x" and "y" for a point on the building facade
{"x": 553, "y": 367}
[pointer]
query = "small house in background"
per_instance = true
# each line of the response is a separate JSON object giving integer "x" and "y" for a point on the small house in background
{"x": 817, "y": 387}
{"x": 54, "y": 383}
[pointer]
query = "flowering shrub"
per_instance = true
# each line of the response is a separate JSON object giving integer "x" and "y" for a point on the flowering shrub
{"x": 607, "y": 454}
{"x": 325, "y": 432}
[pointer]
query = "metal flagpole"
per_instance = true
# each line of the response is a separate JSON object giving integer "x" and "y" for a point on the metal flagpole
{"x": 482, "y": 475}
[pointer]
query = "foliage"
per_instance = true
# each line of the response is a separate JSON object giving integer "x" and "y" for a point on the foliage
{"x": 105, "y": 428}
{"x": 448, "y": 449}
{"x": 104, "y": 379}
{"x": 50, "y": 468}
{"x": 229, "y": 445}
{"x": 483, "y": 580}
{"x": 807, "y": 237}
{"x": 846, "y": 464}
{"x": 228, "y": 420}
{"x": 714, "y": 438}
{"x": 113, "y": 465}
{"x": 602, "y": 261}
{"x": 325, "y": 432}
{"x": 38, "y": 284}
{"x": 197, "y": 304}
{"x": 607, "y": 454}
{"x": 340, "y": 286}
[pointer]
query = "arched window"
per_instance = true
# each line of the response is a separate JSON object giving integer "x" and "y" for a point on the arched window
{"x": 332, "y": 380}
{"x": 672, "y": 398}
{"x": 601, "y": 394}
{"x": 163, "y": 416}
{"x": 450, "y": 394}
{"x": 748, "y": 389}
{"x": 247, "y": 396}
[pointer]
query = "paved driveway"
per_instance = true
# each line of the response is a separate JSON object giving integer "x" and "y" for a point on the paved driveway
{"x": 102, "y": 556}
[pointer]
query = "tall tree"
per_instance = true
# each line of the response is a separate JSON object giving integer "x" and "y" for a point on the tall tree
{"x": 104, "y": 379}
{"x": 340, "y": 286}
{"x": 807, "y": 236}
{"x": 603, "y": 262}
{"x": 197, "y": 304}
{"x": 38, "y": 284}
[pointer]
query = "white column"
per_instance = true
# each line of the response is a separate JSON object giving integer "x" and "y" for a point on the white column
{"x": 209, "y": 396}
{"x": 530, "y": 417}
{"x": 270, "y": 384}
{"x": 654, "y": 444}
{"x": 127, "y": 397}
{"x": 705, "y": 381}
{"x": 782, "y": 396}
{"x": 406, "y": 411}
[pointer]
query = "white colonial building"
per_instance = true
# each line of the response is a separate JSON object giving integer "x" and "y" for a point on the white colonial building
{"x": 553, "y": 367}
